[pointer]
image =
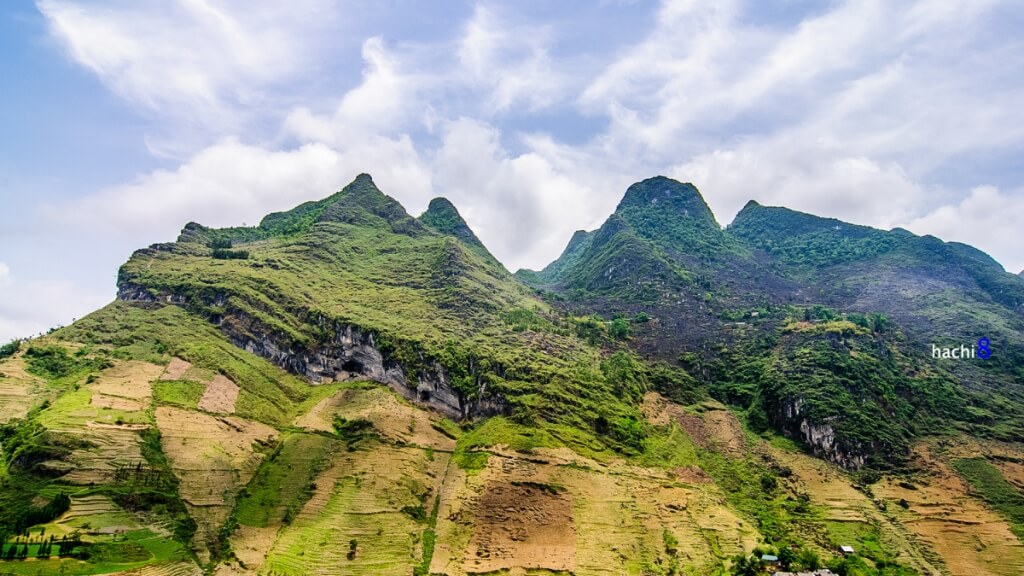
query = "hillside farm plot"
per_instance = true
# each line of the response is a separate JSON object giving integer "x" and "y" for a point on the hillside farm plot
{"x": 166, "y": 569}
{"x": 220, "y": 396}
{"x": 129, "y": 380}
{"x": 176, "y": 369}
{"x": 367, "y": 515}
{"x": 213, "y": 457}
{"x": 104, "y": 418}
{"x": 17, "y": 389}
{"x": 94, "y": 515}
{"x": 280, "y": 486}
{"x": 531, "y": 512}
{"x": 970, "y": 537}
{"x": 116, "y": 542}
{"x": 522, "y": 524}
{"x": 392, "y": 417}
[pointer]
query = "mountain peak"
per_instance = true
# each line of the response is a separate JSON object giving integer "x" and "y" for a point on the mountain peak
{"x": 673, "y": 215}
{"x": 661, "y": 197}
{"x": 578, "y": 238}
{"x": 362, "y": 203}
{"x": 442, "y": 217}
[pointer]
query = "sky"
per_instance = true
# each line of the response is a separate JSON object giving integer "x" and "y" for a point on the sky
{"x": 122, "y": 120}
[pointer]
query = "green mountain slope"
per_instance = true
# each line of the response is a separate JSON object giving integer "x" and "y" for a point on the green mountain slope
{"x": 442, "y": 217}
{"x": 721, "y": 301}
{"x": 346, "y": 389}
{"x": 555, "y": 271}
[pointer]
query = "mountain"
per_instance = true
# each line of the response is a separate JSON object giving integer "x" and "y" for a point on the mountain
{"x": 747, "y": 309}
{"x": 347, "y": 389}
{"x": 553, "y": 272}
{"x": 442, "y": 217}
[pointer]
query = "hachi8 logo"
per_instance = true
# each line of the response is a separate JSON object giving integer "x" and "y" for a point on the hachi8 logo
{"x": 982, "y": 349}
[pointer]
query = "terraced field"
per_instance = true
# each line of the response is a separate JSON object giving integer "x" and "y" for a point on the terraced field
{"x": 213, "y": 457}
{"x": 168, "y": 569}
{"x": 553, "y": 511}
{"x": 105, "y": 416}
{"x": 968, "y": 536}
{"x": 18, "y": 390}
{"x": 96, "y": 514}
{"x": 392, "y": 417}
{"x": 278, "y": 489}
{"x": 367, "y": 515}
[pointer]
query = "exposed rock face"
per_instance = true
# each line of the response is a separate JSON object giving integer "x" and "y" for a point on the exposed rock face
{"x": 820, "y": 436}
{"x": 350, "y": 352}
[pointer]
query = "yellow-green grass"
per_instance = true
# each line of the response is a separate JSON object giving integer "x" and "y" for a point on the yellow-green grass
{"x": 282, "y": 484}
{"x": 367, "y": 496}
{"x": 181, "y": 393}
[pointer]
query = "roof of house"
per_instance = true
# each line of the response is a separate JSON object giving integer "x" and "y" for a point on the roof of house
{"x": 770, "y": 558}
{"x": 846, "y": 548}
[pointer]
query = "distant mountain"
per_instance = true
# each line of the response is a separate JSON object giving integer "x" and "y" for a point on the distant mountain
{"x": 746, "y": 309}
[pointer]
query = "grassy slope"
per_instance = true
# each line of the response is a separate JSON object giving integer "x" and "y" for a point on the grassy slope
{"x": 426, "y": 294}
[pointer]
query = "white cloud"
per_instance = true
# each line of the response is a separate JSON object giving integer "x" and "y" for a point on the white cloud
{"x": 232, "y": 183}
{"x": 987, "y": 218}
{"x": 807, "y": 176}
{"x": 202, "y": 58}
{"x": 517, "y": 204}
{"x": 381, "y": 103}
{"x": 511, "y": 63}
{"x": 5, "y": 274}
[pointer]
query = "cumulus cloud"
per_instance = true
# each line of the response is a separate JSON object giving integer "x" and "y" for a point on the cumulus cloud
{"x": 381, "y": 103}
{"x": 854, "y": 111}
{"x": 510, "y": 63}
{"x": 192, "y": 58}
{"x": 232, "y": 183}
{"x": 803, "y": 176}
{"x": 517, "y": 203}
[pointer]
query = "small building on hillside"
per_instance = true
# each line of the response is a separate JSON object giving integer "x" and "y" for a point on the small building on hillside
{"x": 846, "y": 550}
{"x": 771, "y": 561}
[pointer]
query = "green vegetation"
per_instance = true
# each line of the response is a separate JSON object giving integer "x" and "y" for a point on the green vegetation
{"x": 809, "y": 240}
{"x": 990, "y": 484}
{"x": 352, "y": 431}
{"x": 10, "y": 349}
{"x": 471, "y": 462}
{"x": 181, "y": 393}
{"x": 429, "y": 541}
{"x": 845, "y": 369}
{"x": 284, "y": 481}
{"x": 53, "y": 361}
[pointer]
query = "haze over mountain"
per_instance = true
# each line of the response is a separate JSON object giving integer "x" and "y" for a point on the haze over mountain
{"x": 347, "y": 389}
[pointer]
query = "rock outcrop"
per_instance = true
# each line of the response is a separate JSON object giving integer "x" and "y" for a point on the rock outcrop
{"x": 819, "y": 436}
{"x": 350, "y": 352}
